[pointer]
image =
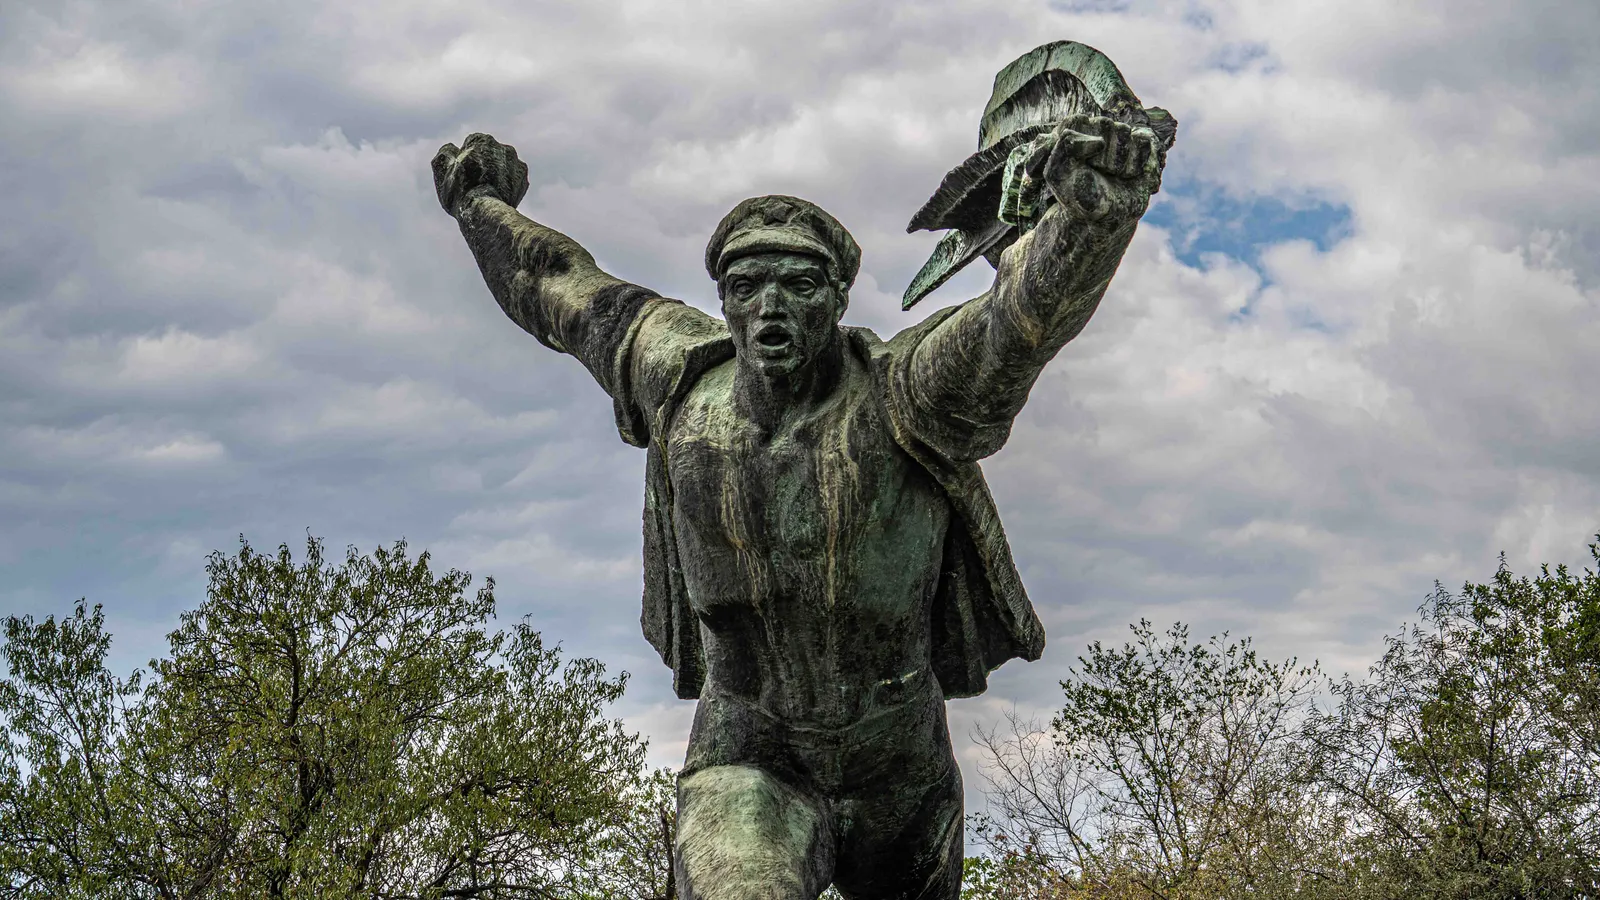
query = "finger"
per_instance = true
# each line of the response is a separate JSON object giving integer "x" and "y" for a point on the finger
{"x": 1100, "y": 125}
{"x": 515, "y": 173}
{"x": 1079, "y": 146}
{"x": 1119, "y": 149}
{"x": 1127, "y": 151}
{"x": 443, "y": 168}
{"x": 519, "y": 182}
{"x": 1069, "y": 157}
{"x": 1087, "y": 189}
{"x": 1040, "y": 154}
{"x": 1144, "y": 149}
{"x": 1088, "y": 138}
{"x": 1079, "y": 122}
{"x": 442, "y": 160}
{"x": 469, "y": 166}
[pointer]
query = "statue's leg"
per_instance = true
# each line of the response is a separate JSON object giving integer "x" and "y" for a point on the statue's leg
{"x": 904, "y": 843}
{"x": 900, "y": 813}
{"x": 745, "y": 835}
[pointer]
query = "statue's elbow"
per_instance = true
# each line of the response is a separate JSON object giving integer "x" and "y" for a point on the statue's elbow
{"x": 966, "y": 441}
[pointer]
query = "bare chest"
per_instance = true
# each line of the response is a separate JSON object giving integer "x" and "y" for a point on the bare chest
{"x": 816, "y": 511}
{"x": 823, "y": 480}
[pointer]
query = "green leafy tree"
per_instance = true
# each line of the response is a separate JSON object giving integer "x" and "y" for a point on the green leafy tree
{"x": 64, "y": 830}
{"x": 317, "y": 730}
{"x": 1171, "y": 771}
{"x": 1015, "y": 872}
{"x": 1465, "y": 765}
{"x": 632, "y": 858}
{"x": 1469, "y": 760}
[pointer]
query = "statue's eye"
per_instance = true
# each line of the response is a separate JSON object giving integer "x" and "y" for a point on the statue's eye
{"x": 743, "y": 288}
{"x": 802, "y": 286}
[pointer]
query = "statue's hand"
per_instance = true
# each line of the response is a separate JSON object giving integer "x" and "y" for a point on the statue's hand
{"x": 1101, "y": 168}
{"x": 481, "y": 164}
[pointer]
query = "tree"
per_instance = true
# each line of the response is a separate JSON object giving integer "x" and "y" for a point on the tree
{"x": 316, "y": 731}
{"x": 1469, "y": 760}
{"x": 632, "y": 859}
{"x": 63, "y": 831}
{"x": 1465, "y": 765}
{"x": 1170, "y": 771}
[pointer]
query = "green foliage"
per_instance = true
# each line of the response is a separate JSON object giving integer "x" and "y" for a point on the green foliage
{"x": 1466, "y": 765}
{"x": 1471, "y": 755}
{"x": 63, "y": 831}
{"x": 631, "y": 859}
{"x": 356, "y": 730}
{"x": 1168, "y": 772}
{"x": 317, "y": 730}
{"x": 1015, "y": 872}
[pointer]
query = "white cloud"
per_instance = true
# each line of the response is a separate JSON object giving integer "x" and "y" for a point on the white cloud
{"x": 97, "y": 78}
{"x": 116, "y": 444}
{"x": 229, "y": 302}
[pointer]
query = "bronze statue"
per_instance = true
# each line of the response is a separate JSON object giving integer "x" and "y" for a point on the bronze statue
{"x": 824, "y": 565}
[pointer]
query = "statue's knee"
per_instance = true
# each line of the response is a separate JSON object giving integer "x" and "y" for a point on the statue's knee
{"x": 745, "y": 835}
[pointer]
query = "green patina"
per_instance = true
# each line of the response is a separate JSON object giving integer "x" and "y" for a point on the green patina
{"x": 824, "y": 565}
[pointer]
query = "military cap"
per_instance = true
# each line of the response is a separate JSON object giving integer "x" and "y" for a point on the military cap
{"x": 777, "y": 223}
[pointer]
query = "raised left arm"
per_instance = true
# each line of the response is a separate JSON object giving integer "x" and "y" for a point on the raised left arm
{"x": 969, "y": 376}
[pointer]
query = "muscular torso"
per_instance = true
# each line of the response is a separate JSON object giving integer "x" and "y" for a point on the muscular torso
{"x": 811, "y": 554}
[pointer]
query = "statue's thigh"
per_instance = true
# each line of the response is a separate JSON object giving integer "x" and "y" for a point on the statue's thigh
{"x": 904, "y": 841}
{"x": 745, "y": 835}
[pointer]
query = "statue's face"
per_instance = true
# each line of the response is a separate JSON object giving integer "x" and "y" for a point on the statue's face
{"x": 782, "y": 310}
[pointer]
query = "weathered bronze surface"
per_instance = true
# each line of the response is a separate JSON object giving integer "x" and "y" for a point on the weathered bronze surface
{"x": 823, "y": 563}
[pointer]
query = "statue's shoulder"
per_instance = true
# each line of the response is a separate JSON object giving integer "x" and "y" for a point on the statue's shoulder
{"x": 669, "y": 348}
{"x": 873, "y": 349}
{"x": 671, "y": 334}
{"x": 712, "y": 390}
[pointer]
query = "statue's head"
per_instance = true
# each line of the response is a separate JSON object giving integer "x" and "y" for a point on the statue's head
{"x": 783, "y": 269}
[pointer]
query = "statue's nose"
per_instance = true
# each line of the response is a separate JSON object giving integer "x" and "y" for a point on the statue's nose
{"x": 770, "y": 302}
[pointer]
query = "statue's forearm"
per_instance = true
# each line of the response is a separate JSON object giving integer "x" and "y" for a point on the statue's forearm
{"x": 1050, "y": 282}
{"x": 549, "y": 285}
{"x": 974, "y": 371}
{"x": 535, "y": 273}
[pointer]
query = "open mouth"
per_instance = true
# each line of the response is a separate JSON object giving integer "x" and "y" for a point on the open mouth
{"x": 774, "y": 337}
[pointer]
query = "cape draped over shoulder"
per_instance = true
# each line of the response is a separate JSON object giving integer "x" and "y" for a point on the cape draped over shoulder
{"x": 981, "y": 613}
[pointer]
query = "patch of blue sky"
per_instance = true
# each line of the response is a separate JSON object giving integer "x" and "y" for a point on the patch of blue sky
{"x": 1203, "y": 219}
{"x": 1199, "y": 18}
{"x": 1237, "y": 57}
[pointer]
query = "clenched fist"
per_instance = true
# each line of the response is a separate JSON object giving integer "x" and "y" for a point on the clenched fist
{"x": 481, "y": 165}
{"x": 1097, "y": 167}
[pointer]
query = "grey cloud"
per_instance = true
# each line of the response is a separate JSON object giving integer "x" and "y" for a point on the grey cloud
{"x": 229, "y": 302}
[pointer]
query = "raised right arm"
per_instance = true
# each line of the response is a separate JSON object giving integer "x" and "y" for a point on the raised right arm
{"x": 543, "y": 280}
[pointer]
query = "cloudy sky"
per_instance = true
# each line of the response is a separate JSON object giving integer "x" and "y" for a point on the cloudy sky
{"x": 1351, "y": 350}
